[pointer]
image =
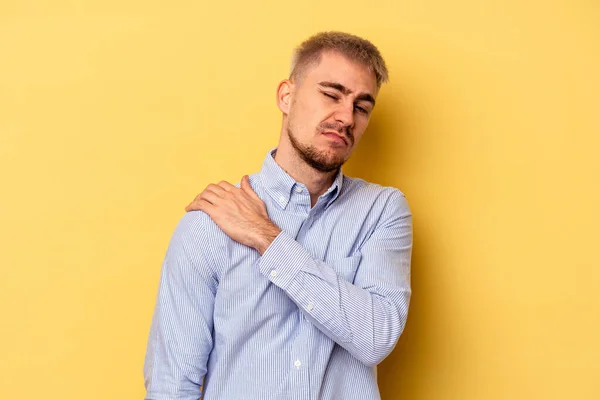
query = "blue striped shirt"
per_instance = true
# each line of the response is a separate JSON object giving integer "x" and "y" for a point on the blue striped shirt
{"x": 309, "y": 319}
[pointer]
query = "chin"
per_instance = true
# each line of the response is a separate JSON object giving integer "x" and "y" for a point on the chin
{"x": 322, "y": 156}
{"x": 328, "y": 162}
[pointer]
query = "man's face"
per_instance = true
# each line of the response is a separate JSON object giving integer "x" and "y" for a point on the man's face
{"x": 330, "y": 107}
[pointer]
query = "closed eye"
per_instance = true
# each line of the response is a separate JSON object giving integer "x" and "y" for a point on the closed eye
{"x": 361, "y": 110}
{"x": 330, "y": 96}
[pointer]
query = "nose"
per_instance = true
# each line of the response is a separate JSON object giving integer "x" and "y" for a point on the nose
{"x": 345, "y": 115}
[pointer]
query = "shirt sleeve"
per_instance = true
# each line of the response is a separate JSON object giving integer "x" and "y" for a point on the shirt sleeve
{"x": 180, "y": 338}
{"x": 365, "y": 317}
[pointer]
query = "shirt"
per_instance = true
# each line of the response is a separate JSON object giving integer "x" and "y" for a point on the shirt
{"x": 309, "y": 319}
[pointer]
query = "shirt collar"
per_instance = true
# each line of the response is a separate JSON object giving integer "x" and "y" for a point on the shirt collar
{"x": 334, "y": 191}
{"x": 279, "y": 185}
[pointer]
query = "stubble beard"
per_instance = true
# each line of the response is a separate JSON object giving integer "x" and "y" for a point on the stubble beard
{"x": 319, "y": 160}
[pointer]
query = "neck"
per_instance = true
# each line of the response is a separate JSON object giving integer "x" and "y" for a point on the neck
{"x": 316, "y": 182}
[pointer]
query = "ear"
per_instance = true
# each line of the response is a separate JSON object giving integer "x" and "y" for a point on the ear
{"x": 284, "y": 95}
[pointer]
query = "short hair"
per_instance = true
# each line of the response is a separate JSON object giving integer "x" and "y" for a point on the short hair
{"x": 353, "y": 47}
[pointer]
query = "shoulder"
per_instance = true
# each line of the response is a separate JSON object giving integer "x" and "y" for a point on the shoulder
{"x": 192, "y": 226}
{"x": 194, "y": 237}
{"x": 386, "y": 198}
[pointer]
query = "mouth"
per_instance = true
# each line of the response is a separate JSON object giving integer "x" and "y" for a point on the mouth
{"x": 336, "y": 137}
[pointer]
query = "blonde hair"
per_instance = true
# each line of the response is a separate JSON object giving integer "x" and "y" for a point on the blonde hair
{"x": 353, "y": 47}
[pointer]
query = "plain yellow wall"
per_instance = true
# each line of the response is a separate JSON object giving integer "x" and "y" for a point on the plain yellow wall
{"x": 114, "y": 114}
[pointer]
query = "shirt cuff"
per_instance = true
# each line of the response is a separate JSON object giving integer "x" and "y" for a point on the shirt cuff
{"x": 283, "y": 260}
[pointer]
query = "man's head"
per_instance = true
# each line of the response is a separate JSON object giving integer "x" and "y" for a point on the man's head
{"x": 328, "y": 99}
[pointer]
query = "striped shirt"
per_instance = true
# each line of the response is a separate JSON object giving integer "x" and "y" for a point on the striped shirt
{"x": 309, "y": 319}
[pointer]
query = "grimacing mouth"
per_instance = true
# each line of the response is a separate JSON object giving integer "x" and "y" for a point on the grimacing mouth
{"x": 343, "y": 137}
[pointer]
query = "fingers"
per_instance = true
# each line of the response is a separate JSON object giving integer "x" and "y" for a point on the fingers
{"x": 220, "y": 189}
{"x": 210, "y": 195}
{"x": 193, "y": 205}
{"x": 226, "y": 186}
{"x": 215, "y": 193}
{"x": 200, "y": 205}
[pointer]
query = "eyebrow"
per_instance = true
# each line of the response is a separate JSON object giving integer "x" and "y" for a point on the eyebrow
{"x": 346, "y": 91}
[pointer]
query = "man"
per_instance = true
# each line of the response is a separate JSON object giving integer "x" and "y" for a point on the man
{"x": 295, "y": 284}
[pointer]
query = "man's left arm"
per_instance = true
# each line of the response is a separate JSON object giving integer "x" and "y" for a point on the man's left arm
{"x": 365, "y": 317}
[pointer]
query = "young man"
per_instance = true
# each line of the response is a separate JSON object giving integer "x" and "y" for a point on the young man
{"x": 295, "y": 284}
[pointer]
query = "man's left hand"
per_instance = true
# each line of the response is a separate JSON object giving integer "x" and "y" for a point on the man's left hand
{"x": 239, "y": 212}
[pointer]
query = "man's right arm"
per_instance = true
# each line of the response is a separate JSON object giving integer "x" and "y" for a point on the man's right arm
{"x": 181, "y": 333}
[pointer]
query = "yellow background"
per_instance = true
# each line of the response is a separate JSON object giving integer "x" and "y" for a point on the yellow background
{"x": 114, "y": 114}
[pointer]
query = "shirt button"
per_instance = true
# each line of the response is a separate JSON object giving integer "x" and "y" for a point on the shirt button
{"x": 297, "y": 363}
{"x": 282, "y": 200}
{"x": 299, "y": 189}
{"x": 309, "y": 307}
{"x": 273, "y": 274}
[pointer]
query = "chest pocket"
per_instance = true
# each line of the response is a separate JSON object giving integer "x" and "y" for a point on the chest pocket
{"x": 346, "y": 267}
